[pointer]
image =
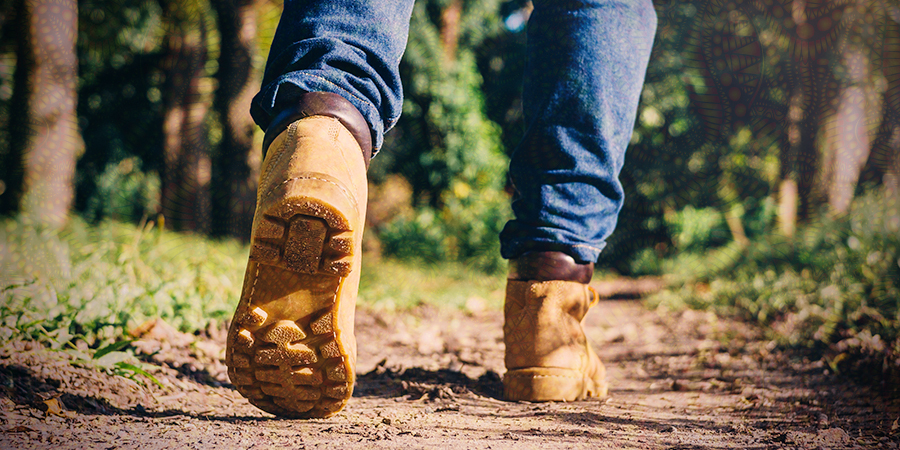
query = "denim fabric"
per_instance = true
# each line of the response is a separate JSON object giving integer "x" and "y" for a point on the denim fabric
{"x": 347, "y": 47}
{"x": 583, "y": 79}
{"x": 585, "y": 68}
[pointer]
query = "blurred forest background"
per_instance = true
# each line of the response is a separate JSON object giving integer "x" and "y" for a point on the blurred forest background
{"x": 763, "y": 174}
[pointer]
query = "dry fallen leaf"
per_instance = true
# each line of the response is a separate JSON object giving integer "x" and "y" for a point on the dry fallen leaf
{"x": 19, "y": 429}
{"x": 7, "y": 404}
{"x": 53, "y": 407}
{"x": 895, "y": 425}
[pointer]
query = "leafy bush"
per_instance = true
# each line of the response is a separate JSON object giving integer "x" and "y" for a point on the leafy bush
{"x": 418, "y": 236}
{"x": 835, "y": 287}
{"x": 448, "y": 149}
{"x": 465, "y": 229}
{"x": 124, "y": 193}
{"x": 697, "y": 228}
{"x": 702, "y": 243}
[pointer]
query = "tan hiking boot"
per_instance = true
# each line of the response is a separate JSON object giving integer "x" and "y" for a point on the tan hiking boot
{"x": 548, "y": 357}
{"x": 291, "y": 349}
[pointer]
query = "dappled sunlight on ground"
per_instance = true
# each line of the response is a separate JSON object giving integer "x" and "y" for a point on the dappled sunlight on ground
{"x": 430, "y": 378}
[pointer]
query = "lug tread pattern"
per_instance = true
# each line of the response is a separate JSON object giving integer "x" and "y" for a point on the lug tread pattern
{"x": 303, "y": 378}
{"x": 304, "y": 244}
{"x": 293, "y": 367}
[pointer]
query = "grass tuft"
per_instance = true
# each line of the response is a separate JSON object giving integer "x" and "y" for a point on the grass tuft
{"x": 93, "y": 283}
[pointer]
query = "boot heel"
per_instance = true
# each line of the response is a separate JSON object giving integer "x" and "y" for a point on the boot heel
{"x": 286, "y": 353}
{"x": 306, "y": 230}
{"x": 547, "y": 384}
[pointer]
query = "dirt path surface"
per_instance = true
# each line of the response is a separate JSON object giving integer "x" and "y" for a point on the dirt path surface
{"x": 429, "y": 379}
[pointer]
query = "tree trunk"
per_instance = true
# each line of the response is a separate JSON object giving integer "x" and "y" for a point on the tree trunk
{"x": 789, "y": 198}
{"x": 883, "y": 164}
{"x": 187, "y": 170}
{"x": 787, "y": 207}
{"x": 450, "y": 18}
{"x": 805, "y": 165}
{"x": 11, "y": 159}
{"x": 236, "y": 168}
{"x": 855, "y": 122}
{"x": 811, "y": 83}
{"x": 851, "y": 150}
{"x": 54, "y": 140}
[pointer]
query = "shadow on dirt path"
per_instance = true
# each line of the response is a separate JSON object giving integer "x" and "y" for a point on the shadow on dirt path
{"x": 430, "y": 378}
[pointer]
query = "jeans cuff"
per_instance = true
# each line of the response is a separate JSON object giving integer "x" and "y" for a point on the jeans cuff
{"x": 288, "y": 88}
{"x": 582, "y": 253}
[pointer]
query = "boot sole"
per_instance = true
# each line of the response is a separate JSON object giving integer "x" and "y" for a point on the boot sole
{"x": 286, "y": 353}
{"x": 547, "y": 384}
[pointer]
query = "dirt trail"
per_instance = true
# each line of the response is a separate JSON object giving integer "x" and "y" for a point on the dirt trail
{"x": 429, "y": 379}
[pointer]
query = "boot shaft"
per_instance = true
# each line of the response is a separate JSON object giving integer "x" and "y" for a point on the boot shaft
{"x": 543, "y": 324}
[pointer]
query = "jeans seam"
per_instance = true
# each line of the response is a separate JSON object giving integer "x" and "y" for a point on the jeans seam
{"x": 520, "y": 242}
{"x": 393, "y": 121}
{"x": 585, "y": 246}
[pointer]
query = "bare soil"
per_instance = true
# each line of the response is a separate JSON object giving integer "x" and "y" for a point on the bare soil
{"x": 430, "y": 378}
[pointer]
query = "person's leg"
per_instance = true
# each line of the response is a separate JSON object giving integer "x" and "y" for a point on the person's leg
{"x": 331, "y": 89}
{"x": 347, "y": 47}
{"x": 584, "y": 74}
{"x": 585, "y": 69}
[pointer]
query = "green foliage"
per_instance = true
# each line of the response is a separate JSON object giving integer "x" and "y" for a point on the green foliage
{"x": 122, "y": 90}
{"x": 701, "y": 242}
{"x": 835, "y": 286}
{"x": 124, "y": 193}
{"x": 93, "y": 283}
{"x": 418, "y": 237}
{"x": 695, "y": 143}
{"x": 461, "y": 115}
{"x": 120, "y": 100}
{"x": 447, "y": 148}
{"x": 97, "y": 282}
{"x": 387, "y": 284}
{"x": 443, "y": 136}
{"x": 694, "y": 229}
{"x": 464, "y": 229}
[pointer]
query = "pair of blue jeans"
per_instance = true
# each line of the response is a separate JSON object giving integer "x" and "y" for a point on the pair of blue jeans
{"x": 583, "y": 78}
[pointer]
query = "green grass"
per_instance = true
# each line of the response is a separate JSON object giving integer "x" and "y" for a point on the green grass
{"x": 393, "y": 285}
{"x": 99, "y": 281}
{"x": 96, "y": 282}
{"x": 833, "y": 289}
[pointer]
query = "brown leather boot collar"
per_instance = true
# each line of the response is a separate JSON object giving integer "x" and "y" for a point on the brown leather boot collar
{"x": 548, "y": 266}
{"x": 323, "y": 104}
